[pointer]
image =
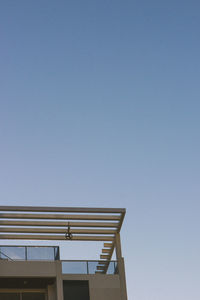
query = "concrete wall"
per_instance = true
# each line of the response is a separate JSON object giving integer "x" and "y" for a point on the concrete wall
{"x": 27, "y": 269}
{"x": 105, "y": 288}
{"x": 31, "y": 269}
{"x": 101, "y": 287}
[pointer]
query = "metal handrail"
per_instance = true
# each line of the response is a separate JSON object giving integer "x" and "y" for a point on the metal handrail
{"x": 86, "y": 260}
{"x": 6, "y": 255}
{"x": 29, "y": 246}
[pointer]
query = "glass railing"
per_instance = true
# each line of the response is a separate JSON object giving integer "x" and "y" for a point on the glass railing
{"x": 29, "y": 253}
{"x": 51, "y": 253}
{"x": 88, "y": 267}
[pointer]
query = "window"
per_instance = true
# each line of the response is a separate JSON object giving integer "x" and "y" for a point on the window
{"x": 76, "y": 289}
{"x": 9, "y": 296}
{"x": 33, "y": 296}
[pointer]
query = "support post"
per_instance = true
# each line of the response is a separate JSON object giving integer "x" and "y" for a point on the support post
{"x": 59, "y": 281}
{"x": 121, "y": 267}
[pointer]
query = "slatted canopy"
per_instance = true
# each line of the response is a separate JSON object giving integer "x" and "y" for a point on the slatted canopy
{"x": 63, "y": 223}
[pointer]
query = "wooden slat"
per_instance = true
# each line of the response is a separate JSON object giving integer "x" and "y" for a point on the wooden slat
{"x": 102, "y": 256}
{"x": 55, "y": 230}
{"x": 62, "y": 209}
{"x": 108, "y": 245}
{"x": 103, "y": 262}
{"x": 100, "y": 267}
{"x": 58, "y": 224}
{"x": 110, "y": 256}
{"x": 58, "y": 216}
{"x": 109, "y": 250}
{"x": 53, "y": 237}
{"x": 105, "y": 250}
{"x": 99, "y": 272}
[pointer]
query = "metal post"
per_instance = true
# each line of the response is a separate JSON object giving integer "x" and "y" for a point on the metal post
{"x": 26, "y": 258}
{"x": 54, "y": 253}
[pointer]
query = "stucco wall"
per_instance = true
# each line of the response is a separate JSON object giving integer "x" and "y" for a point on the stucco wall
{"x": 105, "y": 288}
{"x": 27, "y": 268}
{"x": 101, "y": 287}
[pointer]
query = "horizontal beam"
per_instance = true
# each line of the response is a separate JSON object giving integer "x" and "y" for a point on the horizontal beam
{"x": 62, "y": 209}
{"x": 58, "y": 224}
{"x": 56, "y": 230}
{"x": 53, "y": 237}
{"x": 58, "y": 216}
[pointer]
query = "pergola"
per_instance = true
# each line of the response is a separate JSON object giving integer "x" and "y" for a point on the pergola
{"x": 65, "y": 224}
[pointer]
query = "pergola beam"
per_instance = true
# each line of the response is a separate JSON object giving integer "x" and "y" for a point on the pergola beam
{"x": 58, "y": 224}
{"x": 58, "y": 216}
{"x": 56, "y": 230}
{"x": 54, "y": 237}
{"x": 62, "y": 209}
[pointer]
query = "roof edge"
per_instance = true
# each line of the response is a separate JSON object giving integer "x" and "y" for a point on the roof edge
{"x": 63, "y": 209}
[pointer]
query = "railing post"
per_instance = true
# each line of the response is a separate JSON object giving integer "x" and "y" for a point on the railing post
{"x": 26, "y": 256}
{"x": 58, "y": 249}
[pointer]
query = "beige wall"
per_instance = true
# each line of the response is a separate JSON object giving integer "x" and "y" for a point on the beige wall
{"x": 102, "y": 287}
{"x": 105, "y": 288}
{"x": 31, "y": 269}
{"x": 27, "y": 268}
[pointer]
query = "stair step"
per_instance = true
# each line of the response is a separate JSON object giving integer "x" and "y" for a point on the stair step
{"x": 105, "y": 250}
{"x": 100, "y": 267}
{"x": 108, "y": 245}
{"x": 103, "y": 262}
{"x": 104, "y": 256}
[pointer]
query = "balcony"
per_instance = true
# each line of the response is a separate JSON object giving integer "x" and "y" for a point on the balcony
{"x": 51, "y": 253}
{"x": 88, "y": 267}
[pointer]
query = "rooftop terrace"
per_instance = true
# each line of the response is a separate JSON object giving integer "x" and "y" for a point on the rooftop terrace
{"x": 62, "y": 224}
{"x": 52, "y": 253}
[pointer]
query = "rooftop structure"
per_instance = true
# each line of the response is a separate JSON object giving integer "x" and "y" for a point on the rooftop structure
{"x": 44, "y": 264}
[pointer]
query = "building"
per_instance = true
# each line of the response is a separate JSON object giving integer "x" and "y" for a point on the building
{"x": 38, "y": 273}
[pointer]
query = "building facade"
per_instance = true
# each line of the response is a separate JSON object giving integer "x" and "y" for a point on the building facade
{"x": 37, "y": 272}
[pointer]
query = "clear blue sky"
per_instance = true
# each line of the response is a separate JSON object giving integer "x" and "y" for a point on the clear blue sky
{"x": 100, "y": 106}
